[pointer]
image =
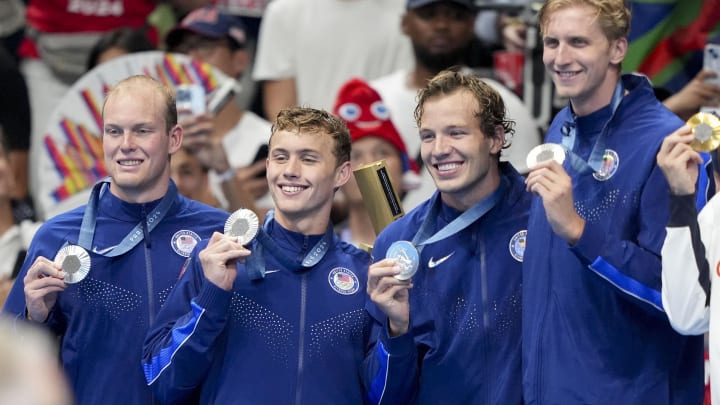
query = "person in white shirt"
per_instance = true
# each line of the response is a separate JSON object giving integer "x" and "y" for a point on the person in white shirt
{"x": 308, "y": 48}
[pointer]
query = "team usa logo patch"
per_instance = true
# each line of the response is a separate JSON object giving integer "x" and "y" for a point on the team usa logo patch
{"x": 183, "y": 242}
{"x": 610, "y": 164}
{"x": 517, "y": 245}
{"x": 343, "y": 281}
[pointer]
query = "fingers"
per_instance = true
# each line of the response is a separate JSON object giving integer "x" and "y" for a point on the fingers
{"x": 223, "y": 248}
{"x": 382, "y": 283}
{"x": 43, "y": 268}
{"x": 546, "y": 176}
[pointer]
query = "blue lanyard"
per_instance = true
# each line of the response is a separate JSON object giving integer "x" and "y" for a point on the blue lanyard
{"x": 426, "y": 234}
{"x": 255, "y": 264}
{"x": 137, "y": 234}
{"x": 595, "y": 162}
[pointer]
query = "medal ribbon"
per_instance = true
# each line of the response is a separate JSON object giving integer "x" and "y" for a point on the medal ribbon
{"x": 595, "y": 162}
{"x": 425, "y": 235}
{"x": 255, "y": 264}
{"x": 87, "y": 228}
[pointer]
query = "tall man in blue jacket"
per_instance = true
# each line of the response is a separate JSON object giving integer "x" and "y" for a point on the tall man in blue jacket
{"x": 455, "y": 336}
{"x": 594, "y": 328}
{"x": 286, "y": 325}
{"x": 130, "y": 240}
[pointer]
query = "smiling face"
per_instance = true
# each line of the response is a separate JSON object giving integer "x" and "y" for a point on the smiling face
{"x": 462, "y": 160}
{"x": 137, "y": 142}
{"x": 303, "y": 174}
{"x": 583, "y": 63}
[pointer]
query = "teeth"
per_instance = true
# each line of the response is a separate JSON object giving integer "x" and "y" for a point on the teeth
{"x": 291, "y": 189}
{"x": 566, "y": 74}
{"x": 448, "y": 166}
{"x": 129, "y": 162}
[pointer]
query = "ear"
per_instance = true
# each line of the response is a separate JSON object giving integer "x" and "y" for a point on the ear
{"x": 618, "y": 50}
{"x": 405, "y": 23}
{"x": 342, "y": 174}
{"x": 175, "y": 139}
{"x": 498, "y": 140}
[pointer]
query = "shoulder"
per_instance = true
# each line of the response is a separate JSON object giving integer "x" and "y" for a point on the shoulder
{"x": 390, "y": 82}
{"x": 352, "y": 251}
{"x": 197, "y": 212}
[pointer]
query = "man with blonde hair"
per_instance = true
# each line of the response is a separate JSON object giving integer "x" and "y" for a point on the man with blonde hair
{"x": 594, "y": 326}
{"x": 97, "y": 275}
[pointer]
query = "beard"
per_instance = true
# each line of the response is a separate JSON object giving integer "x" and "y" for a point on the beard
{"x": 437, "y": 62}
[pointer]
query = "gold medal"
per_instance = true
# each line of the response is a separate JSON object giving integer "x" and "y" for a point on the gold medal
{"x": 75, "y": 262}
{"x": 706, "y": 128}
{"x": 242, "y": 224}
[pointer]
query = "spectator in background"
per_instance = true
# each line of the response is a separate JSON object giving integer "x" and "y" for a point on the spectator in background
{"x": 230, "y": 141}
{"x": 594, "y": 326}
{"x": 374, "y": 138}
{"x": 191, "y": 178}
{"x": 15, "y": 125}
{"x": 58, "y": 40}
{"x": 14, "y": 237}
{"x": 119, "y": 42}
{"x": 308, "y": 49}
{"x": 441, "y": 33}
{"x": 131, "y": 242}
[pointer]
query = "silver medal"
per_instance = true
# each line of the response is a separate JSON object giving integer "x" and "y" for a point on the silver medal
{"x": 545, "y": 152}
{"x": 407, "y": 258}
{"x": 242, "y": 224}
{"x": 75, "y": 262}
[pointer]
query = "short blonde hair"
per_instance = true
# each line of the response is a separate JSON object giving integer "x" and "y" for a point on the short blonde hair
{"x": 167, "y": 94}
{"x": 612, "y": 15}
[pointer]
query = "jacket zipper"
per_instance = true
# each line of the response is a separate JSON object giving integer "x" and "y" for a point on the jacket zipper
{"x": 301, "y": 339}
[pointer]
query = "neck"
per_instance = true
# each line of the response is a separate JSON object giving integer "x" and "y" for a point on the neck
{"x": 360, "y": 224}
{"x": 419, "y": 76}
{"x": 6, "y": 216}
{"x": 601, "y": 98}
{"x": 462, "y": 201}
{"x": 302, "y": 224}
{"x": 130, "y": 196}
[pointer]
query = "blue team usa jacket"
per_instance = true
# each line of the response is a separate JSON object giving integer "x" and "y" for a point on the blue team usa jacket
{"x": 102, "y": 320}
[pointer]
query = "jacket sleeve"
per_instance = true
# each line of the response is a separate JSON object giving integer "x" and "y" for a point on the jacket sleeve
{"x": 632, "y": 262}
{"x": 182, "y": 342}
{"x": 390, "y": 369}
{"x": 15, "y": 304}
{"x": 686, "y": 270}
